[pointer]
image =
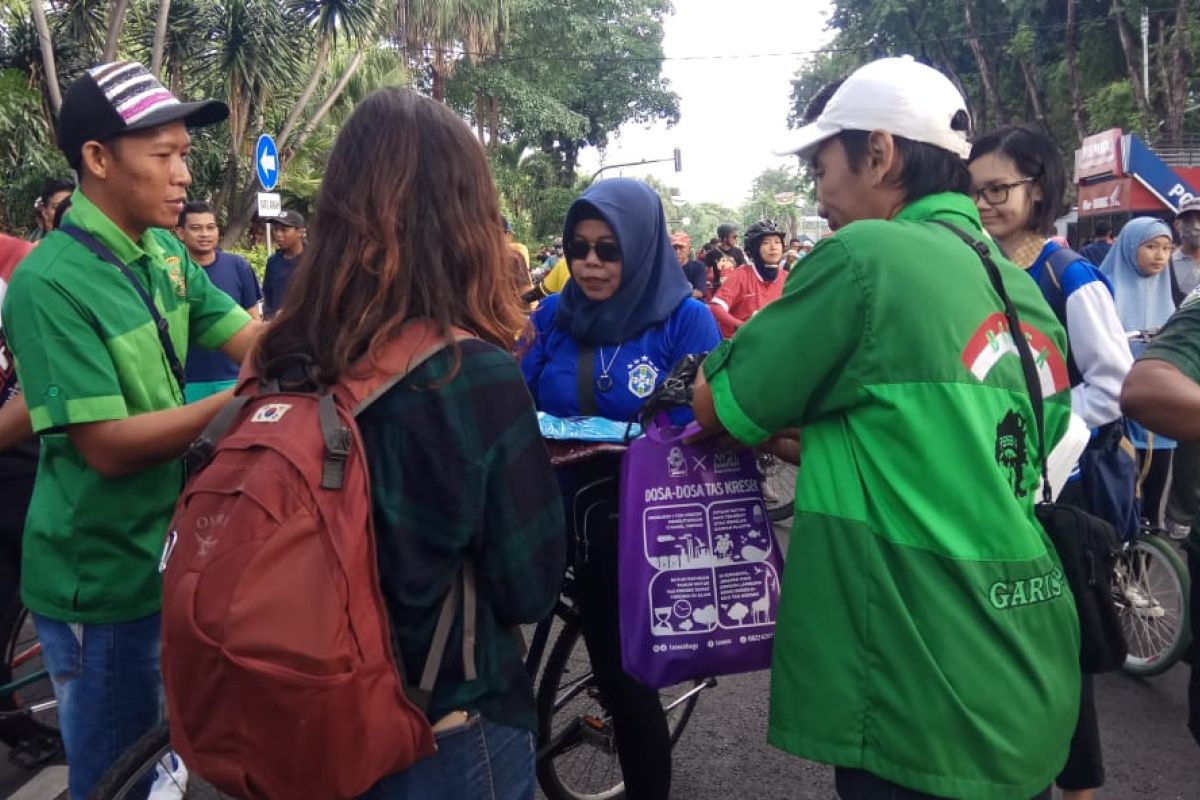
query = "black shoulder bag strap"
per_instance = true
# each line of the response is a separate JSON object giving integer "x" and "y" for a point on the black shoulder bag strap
{"x": 1028, "y": 366}
{"x": 160, "y": 324}
{"x": 585, "y": 382}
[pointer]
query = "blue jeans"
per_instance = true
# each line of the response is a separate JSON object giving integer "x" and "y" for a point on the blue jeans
{"x": 107, "y": 684}
{"x": 478, "y": 760}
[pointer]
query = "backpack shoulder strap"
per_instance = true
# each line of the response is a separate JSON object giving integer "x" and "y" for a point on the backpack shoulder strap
{"x": 418, "y": 341}
{"x": 1051, "y": 281}
{"x": 464, "y": 584}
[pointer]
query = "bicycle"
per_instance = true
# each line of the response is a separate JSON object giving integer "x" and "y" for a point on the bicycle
{"x": 28, "y": 709}
{"x": 577, "y": 756}
{"x": 1151, "y": 588}
{"x": 778, "y": 479}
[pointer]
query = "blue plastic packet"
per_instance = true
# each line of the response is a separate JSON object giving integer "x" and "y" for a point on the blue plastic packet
{"x": 586, "y": 429}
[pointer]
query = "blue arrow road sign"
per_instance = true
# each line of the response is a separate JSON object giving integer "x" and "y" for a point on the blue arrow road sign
{"x": 266, "y": 162}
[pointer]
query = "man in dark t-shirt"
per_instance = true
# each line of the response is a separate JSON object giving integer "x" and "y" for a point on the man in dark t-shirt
{"x": 208, "y": 371}
{"x": 695, "y": 272}
{"x": 1102, "y": 241}
{"x": 289, "y": 237}
{"x": 727, "y": 236}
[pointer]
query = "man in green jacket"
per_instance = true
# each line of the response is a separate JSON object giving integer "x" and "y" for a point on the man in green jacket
{"x": 1162, "y": 392}
{"x": 102, "y": 380}
{"x": 927, "y": 642}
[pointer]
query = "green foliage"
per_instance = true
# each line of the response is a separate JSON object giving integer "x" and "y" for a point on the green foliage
{"x": 571, "y": 72}
{"x": 558, "y": 75}
{"x": 27, "y": 155}
{"x": 1113, "y": 106}
{"x": 1010, "y": 32}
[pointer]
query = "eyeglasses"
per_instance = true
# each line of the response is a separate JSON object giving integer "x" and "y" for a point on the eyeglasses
{"x": 997, "y": 193}
{"x": 606, "y": 251}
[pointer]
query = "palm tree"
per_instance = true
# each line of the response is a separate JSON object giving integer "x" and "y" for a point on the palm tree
{"x": 357, "y": 21}
{"x": 441, "y": 30}
{"x": 46, "y": 46}
{"x": 160, "y": 38}
{"x": 116, "y": 20}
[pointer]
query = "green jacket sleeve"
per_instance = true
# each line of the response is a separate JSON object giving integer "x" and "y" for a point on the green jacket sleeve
{"x": 794, "y": 360}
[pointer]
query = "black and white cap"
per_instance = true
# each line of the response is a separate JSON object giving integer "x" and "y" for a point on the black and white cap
{"x": 121, "y": 97}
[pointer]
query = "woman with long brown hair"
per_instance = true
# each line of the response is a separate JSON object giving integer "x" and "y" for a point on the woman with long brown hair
{"x": 407, "y": 227}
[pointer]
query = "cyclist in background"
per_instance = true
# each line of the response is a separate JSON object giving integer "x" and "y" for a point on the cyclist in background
{"x": 747, "y": 289}
{"x": 1139, "y": 268}
{"x": 622, "y": 322}
{"x": 458, "y": 469}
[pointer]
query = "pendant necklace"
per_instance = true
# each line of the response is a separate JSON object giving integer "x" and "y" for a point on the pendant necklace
{"x": 605, "y": 382}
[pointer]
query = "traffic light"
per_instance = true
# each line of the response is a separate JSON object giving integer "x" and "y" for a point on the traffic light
{"x": 678, "y": 160}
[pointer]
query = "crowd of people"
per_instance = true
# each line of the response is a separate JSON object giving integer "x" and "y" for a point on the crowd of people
{"x": 882, "y": 359}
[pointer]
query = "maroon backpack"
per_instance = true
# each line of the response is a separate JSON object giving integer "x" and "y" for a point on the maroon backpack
{"x": 277, "y": 657}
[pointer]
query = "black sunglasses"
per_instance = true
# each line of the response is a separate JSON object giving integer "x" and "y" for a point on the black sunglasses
{"x": 577, "y": 250}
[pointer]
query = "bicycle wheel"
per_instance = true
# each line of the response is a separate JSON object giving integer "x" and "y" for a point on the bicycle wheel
{"x": 778, "y": 485}
{"x": 28, "y": 710}
{"x": 577, "y": 755}
{"x": 31, "y": 686}
{"x": 150, "y": 767}
{"x": 1150, "y": 588}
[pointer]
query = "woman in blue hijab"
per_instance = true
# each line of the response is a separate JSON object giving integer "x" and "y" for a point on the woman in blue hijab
{"x": 619, "y": 326}
{"x": 1138, "y": 266}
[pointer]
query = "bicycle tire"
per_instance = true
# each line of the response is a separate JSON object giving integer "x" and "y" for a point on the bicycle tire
{"x": 778, "y": 479}
{"x": 139, "y": 762}
{"x": 1153, "y": 605}
{"x": 133, "y": 764}
{"x": 549, "y": 769}
{"x": 22, "y": 659}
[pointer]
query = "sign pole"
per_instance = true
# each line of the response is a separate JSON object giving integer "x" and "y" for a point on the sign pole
{"x": 266, "y": 165}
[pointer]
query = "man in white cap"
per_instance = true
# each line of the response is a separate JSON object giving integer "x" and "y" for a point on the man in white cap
{"x": 99, "y": 317}
{"x": 925, "y": 642}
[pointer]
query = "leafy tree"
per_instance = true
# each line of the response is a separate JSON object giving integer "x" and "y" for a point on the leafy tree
{"x": 570, "y": 73}
{"x": 1074, "y": 66}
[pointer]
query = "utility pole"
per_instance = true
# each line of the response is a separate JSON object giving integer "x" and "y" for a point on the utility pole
{"x": 1146, "y": 53}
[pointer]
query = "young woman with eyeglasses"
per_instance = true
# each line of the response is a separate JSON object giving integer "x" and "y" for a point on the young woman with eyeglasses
{"x": 622, "y": 322}
{"x": 1018, "y": 183}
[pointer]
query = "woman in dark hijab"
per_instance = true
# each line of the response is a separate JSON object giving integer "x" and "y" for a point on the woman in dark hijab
{"x": 602, "y": 345}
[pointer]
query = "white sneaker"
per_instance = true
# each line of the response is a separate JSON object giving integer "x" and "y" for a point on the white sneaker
{"x": 170, "y": 779}
{"x": 1142, "y": 604}
{"x": 1178, "y": 531}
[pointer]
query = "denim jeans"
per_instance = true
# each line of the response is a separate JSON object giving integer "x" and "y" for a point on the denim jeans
{"x": 478, "y": 760}
{"x": 107, "y": 684}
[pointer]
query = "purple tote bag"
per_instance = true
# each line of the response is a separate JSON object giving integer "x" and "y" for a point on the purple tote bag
{"x": 699, "y": 564}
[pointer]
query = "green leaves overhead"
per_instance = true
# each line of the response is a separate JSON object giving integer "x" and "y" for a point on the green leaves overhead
{"x": 1074, "y": 63}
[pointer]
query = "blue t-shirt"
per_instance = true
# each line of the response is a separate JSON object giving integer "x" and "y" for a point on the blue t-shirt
{"x": 634, "y": 367}
{"x": 275, "y": 281}
{"x": 232, "y": 275}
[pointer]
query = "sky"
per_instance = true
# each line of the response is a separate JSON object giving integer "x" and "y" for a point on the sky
{"x": 751, "y": 94}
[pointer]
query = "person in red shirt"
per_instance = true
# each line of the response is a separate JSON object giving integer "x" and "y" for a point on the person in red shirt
{"x": 747, "y": 289}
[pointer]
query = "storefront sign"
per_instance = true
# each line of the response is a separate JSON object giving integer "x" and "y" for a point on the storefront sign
{"x": 1162, "y": 181}
{"x": 1108, "y": 197}
{"x": 1099, "y": 155}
